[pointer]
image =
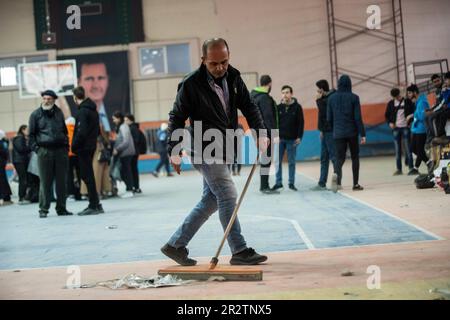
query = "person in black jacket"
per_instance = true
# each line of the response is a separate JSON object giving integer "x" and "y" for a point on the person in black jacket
{"x": 137, "y": 136}
{"x": 291, "y": 124}
{"x": 5, "y": 190}
{"x": 211, "y": 96}
{"x": 268, "y": 107}
{"x": 327, "y": 148}
{"x": 21, "y": 159}
{"x": 84, "y": 143}
{"x": 399, "y": 115}
{"x": 161, "y": 148}
{"x": 48, "y": 138}
{"x": 344, "y": 116}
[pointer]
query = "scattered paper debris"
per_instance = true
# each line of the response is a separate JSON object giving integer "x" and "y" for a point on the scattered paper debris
{"x": 133, "y": 281}
{"x": 444, "y": 292}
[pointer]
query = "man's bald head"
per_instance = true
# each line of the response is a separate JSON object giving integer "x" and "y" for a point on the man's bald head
{"x": 213, "y": 43}
{"x": 216, "y": 56}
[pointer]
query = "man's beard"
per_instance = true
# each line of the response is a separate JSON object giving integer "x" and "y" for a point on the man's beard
{"x": 47, "y": 106}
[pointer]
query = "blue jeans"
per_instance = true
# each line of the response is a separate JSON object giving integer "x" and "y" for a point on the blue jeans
{"x": 291, "y": 148}
{"x": 327, "y": 154}
{"x": 405, "y": 135}
{"x": 219, "y": 193}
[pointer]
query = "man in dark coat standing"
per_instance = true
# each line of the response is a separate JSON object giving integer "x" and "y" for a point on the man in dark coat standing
{"x": 49, "y": 139}
{"x": 268, "y": 108}
{"x": 84, "y": 143}
{"x": 344, "y": 115}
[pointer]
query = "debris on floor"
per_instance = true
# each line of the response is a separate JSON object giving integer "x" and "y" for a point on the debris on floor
{"x": 445, "y": 293}
{"x": 133, "y": 281}
{"x": 217, "y": 278}
{"x": 347, "y": 274}
{"x": 111, "y": 227}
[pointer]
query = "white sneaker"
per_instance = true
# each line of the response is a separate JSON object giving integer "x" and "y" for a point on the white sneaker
{"x": 128, "y": 194}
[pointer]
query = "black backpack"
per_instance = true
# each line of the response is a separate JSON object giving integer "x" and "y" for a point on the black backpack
{"x": 142, "y": 145}
{"x": 424, "y": 181}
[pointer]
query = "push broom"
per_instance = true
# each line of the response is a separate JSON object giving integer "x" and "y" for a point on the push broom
{"x": 233, "y": 273}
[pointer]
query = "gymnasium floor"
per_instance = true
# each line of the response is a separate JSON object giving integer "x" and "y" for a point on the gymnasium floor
{"x": 310, "y": 237}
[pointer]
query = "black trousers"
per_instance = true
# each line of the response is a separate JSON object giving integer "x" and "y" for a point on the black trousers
{"x": 236, "y": 168}
{"x": 435, "y": 123}
{"x": 341, "y": 150}
{"x": 135, "y": 171}
{"x": 418, "y": 148}
{"x": 87, "y": 175}
{"x": 126, "y": 172}
{"x": 163, "y": 161}
{"x": 266, "y": 161}
{"x": 74, "y": 178}
{"x": 33, "y": 191}
{"x": 53, "y": 164}
{"x": 21, "y": 169}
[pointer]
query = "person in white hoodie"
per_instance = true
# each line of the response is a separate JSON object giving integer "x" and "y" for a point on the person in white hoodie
{"x": 125, "y": 150}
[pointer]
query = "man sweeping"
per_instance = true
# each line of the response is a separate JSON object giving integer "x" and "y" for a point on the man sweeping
{"x": 210, "y": 97}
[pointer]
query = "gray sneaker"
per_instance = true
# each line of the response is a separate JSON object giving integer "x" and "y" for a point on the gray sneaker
{"x": 247, "y": 257}
{"x": 318, "y": 188}
{"x": 334, "y": 184}
{"x": 179, "y": 255}
{"x": 89, "y": 212}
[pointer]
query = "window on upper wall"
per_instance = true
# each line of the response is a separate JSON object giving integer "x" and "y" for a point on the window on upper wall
{"x": 172, "y": 59}
{"x": 9, "y": 71}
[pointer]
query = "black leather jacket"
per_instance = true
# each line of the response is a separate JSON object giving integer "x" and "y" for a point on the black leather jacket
{"x": 197, "y": 101}
{"x": 48, "y": 129}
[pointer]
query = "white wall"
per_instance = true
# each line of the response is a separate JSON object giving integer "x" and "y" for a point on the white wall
{"x": 287, "y": 39}
{"x": 16, "y": 26}
{"x": 427, "y": 29}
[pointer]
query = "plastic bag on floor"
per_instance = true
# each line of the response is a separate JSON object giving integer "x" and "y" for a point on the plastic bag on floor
{"x": 133, "y": 281}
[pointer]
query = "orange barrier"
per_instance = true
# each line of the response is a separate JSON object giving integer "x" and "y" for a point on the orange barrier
{"x": 373, "y": 114}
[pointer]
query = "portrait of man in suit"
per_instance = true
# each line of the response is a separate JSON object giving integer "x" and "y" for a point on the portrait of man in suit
{"x": 94, "y": 79}
{"x": 105, "y": 79}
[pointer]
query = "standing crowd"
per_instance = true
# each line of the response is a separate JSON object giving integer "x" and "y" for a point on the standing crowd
{"x": 56, "y": 159}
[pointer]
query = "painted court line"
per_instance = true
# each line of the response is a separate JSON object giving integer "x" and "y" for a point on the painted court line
{"x": 431, "y": 234}
{"x": 297, "y": 228}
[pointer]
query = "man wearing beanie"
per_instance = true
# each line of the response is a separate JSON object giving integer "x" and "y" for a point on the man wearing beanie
{"x": 48, "y": 138}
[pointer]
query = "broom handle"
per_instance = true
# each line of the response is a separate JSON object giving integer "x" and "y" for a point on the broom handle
{"x": 233, "y": 217}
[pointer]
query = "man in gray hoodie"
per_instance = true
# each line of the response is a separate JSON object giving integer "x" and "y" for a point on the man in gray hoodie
{"x": 125, "y": 150}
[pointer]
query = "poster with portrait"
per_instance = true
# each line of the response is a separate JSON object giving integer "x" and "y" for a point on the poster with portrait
{"x": 105, "y": 78}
